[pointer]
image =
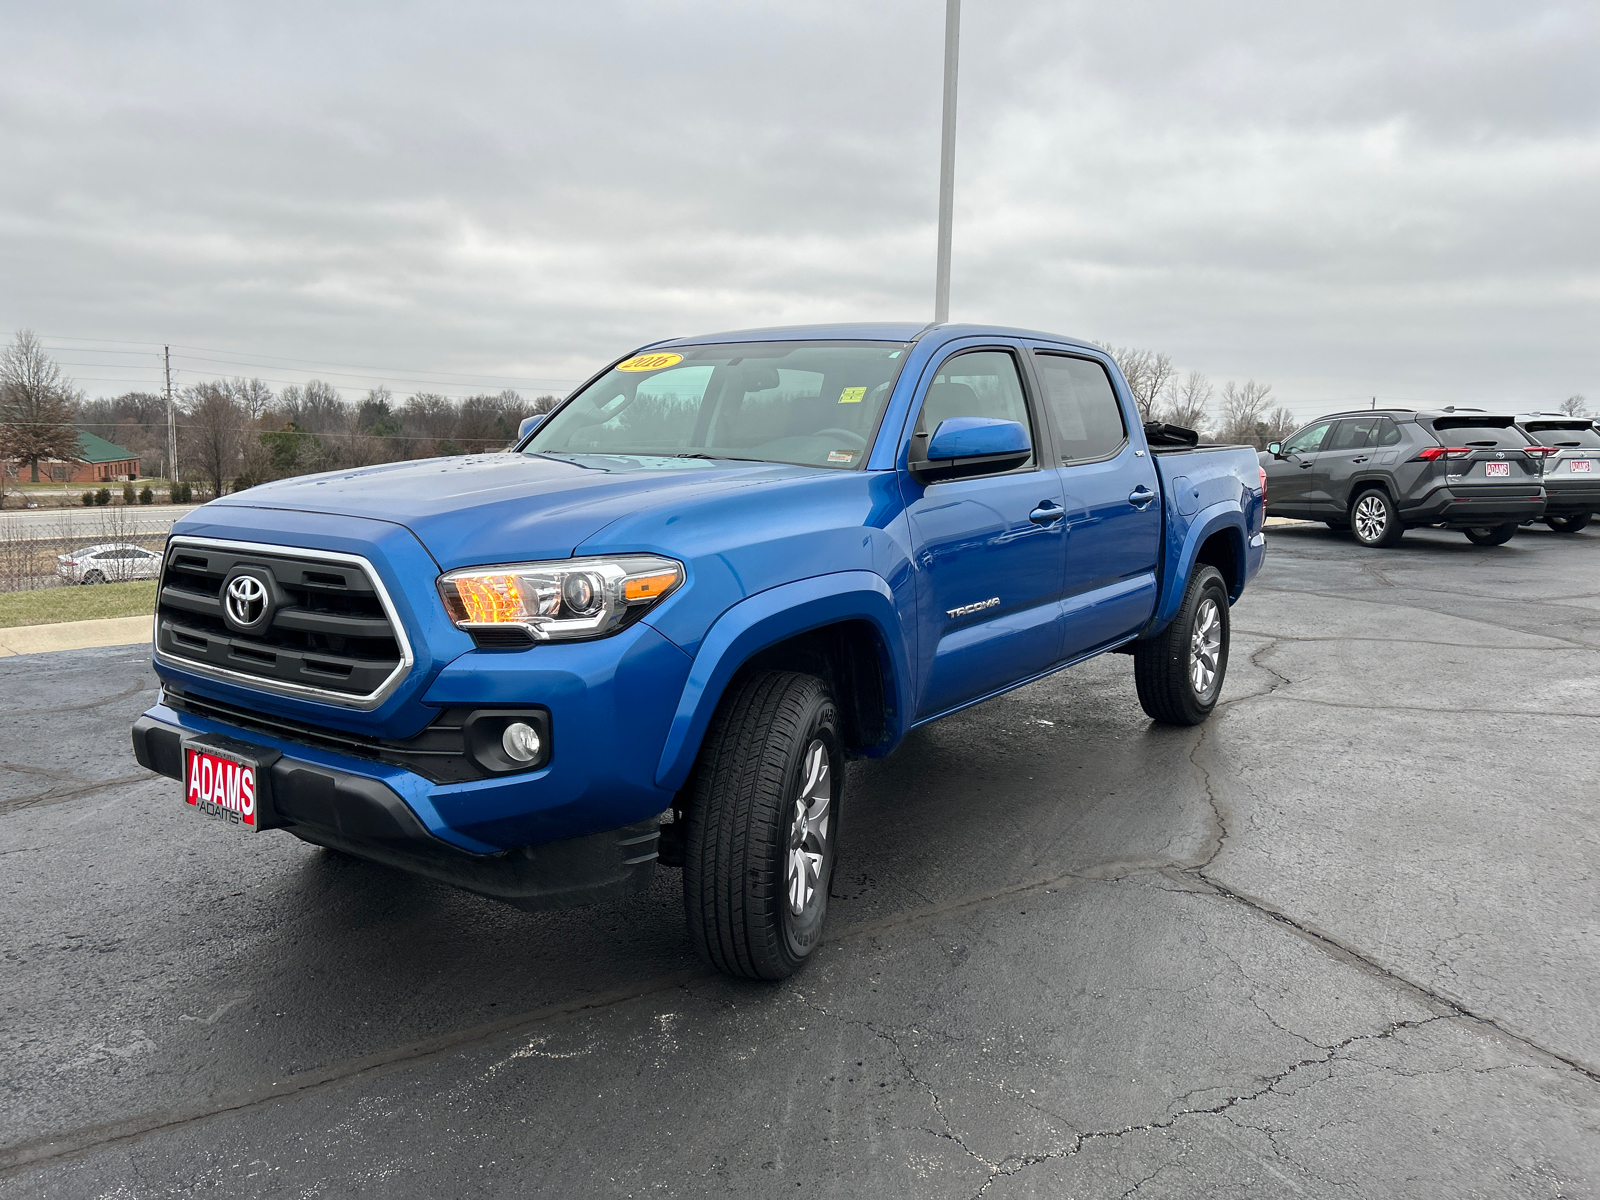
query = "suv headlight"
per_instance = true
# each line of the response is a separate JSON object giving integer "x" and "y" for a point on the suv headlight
{"x": 559, "y": 601}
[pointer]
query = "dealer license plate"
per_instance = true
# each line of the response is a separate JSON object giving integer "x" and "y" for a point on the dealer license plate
{"x": 1580, "y": 466}
{"x": 222, "y": 786}
{"x": 1497, "y": 468}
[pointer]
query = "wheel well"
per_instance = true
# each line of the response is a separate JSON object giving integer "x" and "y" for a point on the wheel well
{"x": 852, "y": 659}
{"x": 1221, "y": 550}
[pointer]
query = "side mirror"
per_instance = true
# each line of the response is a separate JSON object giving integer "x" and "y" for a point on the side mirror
{"x": 1275, "y": 449}
{"x": 973, "y": 446}
{"x": 529, "y": 424}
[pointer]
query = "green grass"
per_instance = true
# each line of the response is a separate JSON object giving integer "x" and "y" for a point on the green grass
{"x": 50, "y": 605}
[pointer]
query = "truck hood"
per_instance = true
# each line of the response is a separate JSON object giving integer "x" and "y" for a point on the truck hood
{"x": 485, "y": 508}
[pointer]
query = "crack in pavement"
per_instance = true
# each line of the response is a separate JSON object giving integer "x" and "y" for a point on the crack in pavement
{"x": 56, "y": 796}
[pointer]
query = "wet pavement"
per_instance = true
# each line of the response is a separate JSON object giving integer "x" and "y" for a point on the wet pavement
{"x": 1340, "y": 941}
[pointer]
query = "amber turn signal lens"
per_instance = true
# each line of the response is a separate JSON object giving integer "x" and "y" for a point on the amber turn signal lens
{"x": 490, "y": 599}
{"x": 648, "y": 587}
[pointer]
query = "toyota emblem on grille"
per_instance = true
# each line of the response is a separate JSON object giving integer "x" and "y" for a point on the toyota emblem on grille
{"x": 247, "y": 601}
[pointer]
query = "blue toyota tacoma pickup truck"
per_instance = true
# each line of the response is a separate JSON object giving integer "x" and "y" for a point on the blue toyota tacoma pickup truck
{"x": 656, "y": 629}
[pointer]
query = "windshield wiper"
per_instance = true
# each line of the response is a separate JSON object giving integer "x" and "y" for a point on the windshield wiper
{"x": 728, "y": 457}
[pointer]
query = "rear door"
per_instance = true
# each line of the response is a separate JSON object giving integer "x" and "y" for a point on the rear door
{"x": 1112, "y": 498}
{"x": 1289, "y": 472}
{"x": 1345, "y": 452}
{"x": 988, "y": 549}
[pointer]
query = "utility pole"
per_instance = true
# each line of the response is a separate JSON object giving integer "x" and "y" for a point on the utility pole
{"x": 947, "y": 161}
{"x": 172, "y": 420}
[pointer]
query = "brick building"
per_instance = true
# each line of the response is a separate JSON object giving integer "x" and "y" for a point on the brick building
{"x": 98, "y": 461}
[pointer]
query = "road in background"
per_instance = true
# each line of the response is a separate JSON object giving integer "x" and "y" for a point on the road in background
{"x": 1340, "y": 940}
{"x": 78, "y": 522}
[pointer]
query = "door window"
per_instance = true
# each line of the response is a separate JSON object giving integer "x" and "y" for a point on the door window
{"x": 1351, "y": 434}
{"x": 1308, "y": 440}
{"x": 1083, "y": 407}
{"x": 979, "y": 383}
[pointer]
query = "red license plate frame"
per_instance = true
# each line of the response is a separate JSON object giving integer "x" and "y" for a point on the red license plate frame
{"x": 225, "y": 785}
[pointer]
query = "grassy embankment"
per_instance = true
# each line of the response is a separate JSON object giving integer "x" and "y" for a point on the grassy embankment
{"x": 50, "y": 605}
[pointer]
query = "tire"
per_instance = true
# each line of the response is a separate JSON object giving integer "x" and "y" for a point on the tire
{"x": 764, "y": 826}
{"x": 1568, "y": 524}
{"x": 93, "y": 577}
{"x": 1169, "y": 669}
{"x": 1490, "y": 535}
{"x": 1374, "y": 521}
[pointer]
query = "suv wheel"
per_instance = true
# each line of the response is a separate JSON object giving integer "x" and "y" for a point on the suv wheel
{"x": 1179, "y": 672}
{"x": 1373, "y": 519}
{"x": 764, "y": 826}
{"x": 1490, "y": 535}
{"x": 1568, "y": 524}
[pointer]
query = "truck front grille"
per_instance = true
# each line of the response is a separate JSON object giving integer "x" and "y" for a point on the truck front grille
{"x": 328, "y": 632}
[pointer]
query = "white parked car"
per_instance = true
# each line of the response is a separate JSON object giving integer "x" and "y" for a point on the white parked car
{"x": 113, "y": 562}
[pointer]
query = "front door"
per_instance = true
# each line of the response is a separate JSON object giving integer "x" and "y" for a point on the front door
{"x": 1113, "y": 502}
{"x": 988, "y": 550}
{"x": 1289, "y": 474}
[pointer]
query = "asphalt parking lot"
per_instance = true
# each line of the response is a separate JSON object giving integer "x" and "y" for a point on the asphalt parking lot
{"x": 1341, "y": 941}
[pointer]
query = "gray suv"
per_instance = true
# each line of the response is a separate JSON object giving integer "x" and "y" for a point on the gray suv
{"x": 1571, "y": 472}
{"x": 1379, "y": 472}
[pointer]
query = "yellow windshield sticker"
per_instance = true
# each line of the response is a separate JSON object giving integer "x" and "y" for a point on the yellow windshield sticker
{"x": 841, "y": 456}
{"x": 852, "y": 395}
{"x": 649, "y": 362}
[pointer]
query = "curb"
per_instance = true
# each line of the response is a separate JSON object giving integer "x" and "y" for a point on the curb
{"x": 74, "y": 635}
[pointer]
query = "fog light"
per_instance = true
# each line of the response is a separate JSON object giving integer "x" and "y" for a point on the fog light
{"x": 521, "y": 742}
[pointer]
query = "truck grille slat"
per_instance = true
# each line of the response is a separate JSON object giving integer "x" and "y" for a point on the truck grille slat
{"x": 330, "y": 633}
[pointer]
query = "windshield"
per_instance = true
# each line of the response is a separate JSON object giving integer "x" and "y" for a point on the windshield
{"x": 1564, "y": 434}
{"x": 813, "y": 403}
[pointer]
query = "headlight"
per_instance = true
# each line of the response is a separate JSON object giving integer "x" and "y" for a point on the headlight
{"x": 559, "y": 601}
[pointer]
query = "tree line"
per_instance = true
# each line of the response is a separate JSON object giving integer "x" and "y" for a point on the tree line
{"x": 235, "y": 433}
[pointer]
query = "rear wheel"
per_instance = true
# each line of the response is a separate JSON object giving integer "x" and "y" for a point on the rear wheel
{"x": 1568, "y": 524}
{"x": 1490, "y": 535}
{"x": 764, "y": 826}
{"x": 1373, "y": 519}
{"x": 1179, "y": 672}
{"x": 94, "y": 577}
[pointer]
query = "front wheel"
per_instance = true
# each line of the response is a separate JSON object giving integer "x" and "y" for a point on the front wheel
{"x": 1373, "y": 519}
{"x": 764, "y": 826}
{"x": 1490, "y": 535}
{"x": 1179, "y": 672}
{"x": 1568, "y": 524}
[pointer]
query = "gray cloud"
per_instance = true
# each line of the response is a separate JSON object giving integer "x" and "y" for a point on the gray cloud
{"x": 1346, "y": 200}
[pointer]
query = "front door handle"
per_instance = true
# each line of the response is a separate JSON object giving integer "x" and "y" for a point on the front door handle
{"x": 1046, "y": 513}
{"x": 1141, "y": 496}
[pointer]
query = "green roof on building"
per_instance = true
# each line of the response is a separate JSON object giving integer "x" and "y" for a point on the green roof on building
{"x": 93, "y": 449}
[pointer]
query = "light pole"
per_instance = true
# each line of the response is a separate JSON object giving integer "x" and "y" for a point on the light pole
{"x": 947, "y": 160}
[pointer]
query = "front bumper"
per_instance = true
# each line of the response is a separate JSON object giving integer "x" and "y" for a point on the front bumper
{"x": 346, "y": 807}
{"x": 1478, "y": 506}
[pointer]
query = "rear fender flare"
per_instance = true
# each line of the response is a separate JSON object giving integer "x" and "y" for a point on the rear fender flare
{"x": 766, "y": 619}
{"x": 1224, "y": 516}
{"x": 1362, "y": 483}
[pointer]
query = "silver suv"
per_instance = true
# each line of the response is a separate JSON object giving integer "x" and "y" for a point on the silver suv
{"x": 1379, "y": 472}
{"x": 1571, "y": 470}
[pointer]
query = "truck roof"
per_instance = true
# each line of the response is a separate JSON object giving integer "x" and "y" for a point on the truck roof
{"x": 866, "y": 331}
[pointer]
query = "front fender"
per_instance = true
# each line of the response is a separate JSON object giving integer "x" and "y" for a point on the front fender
{"x": 1224, "y": 516}
{"x": 764, "y": 620}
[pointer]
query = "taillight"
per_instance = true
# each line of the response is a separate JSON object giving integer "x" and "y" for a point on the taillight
{"x": 1432, "y": 453}
{"x": 1543, "y": 451}
{"x": 1263, "y": 471}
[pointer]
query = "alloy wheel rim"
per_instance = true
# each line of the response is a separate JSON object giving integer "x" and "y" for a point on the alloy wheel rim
{"x": 808, "y": 827}
{"x": 1371, "y": 516}
{"x": 1205, "y": 647}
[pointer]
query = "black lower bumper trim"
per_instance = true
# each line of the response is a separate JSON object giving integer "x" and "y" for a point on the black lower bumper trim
{"x": 363, "y": 817}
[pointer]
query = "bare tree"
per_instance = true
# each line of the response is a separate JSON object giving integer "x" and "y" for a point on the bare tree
{"x": 1147, "y": 373}
{"x": 36, "y": 405}
{"x": 1575, "y": 406}
{"x": 251, "y": 395}
{"x": 1187, "y": 401}
{"x": 215, "y": 433}
{"x": 1242, "y": 411}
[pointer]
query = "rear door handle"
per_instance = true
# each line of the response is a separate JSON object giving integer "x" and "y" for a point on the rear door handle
{"x": 1047, "y": 512}
{"x": 1363, "y": 458}
{"x": 1141, "y": 496}
{"x": 1305, "y": 466}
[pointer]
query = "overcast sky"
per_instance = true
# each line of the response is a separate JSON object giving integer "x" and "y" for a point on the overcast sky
{"x": 1391, "y": 199}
